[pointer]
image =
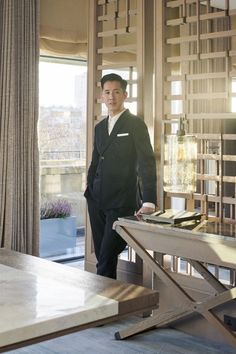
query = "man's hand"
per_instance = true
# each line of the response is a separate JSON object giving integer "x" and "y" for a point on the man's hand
{"x": 144, "y": 210}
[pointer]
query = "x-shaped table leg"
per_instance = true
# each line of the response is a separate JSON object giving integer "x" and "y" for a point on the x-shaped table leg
{"x": 189, "y": 305}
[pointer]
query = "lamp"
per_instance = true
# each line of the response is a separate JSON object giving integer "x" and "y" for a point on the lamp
{"x": 180, "y": 161}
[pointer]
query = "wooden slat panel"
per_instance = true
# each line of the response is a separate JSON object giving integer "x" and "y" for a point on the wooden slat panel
{"x": 216, "y": 157}
{"x": 193, "y": 57}
{"x": 209, "y": 136}
{"x": 123, "y": 30}
{"x": 175, "y": 77}
{"x": 188, "y": 77}
{"x": 130, "y": 82}
{"x": 204, "y": 177}
{"x": 204, "y": 116}
{"x": 122, "y": 14}
{"x": 177, "y": 3}
{"x": 104, "y": 2}
{"x": 122, "y": 48}
{"x": 199, "y": 197}
{"x": 191, "y": 19}
{"x": 199, "y": 96}
{"x": 214, "y": 35}
{"x": 120, "y": 65}
{"x": 229, "y": 179}
{"x": 129, "y": 99}
{"x": 212, "y": 75}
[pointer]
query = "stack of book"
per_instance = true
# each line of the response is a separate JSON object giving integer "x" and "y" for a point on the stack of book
{"x": 171, "y": 216}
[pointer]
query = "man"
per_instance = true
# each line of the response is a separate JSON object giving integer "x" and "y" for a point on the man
{"x": 122, "y": 153}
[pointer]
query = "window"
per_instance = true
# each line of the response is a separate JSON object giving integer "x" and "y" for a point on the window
{"x": 62, "y": 144}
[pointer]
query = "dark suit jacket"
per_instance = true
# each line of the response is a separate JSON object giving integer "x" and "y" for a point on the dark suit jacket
{"x": 118, "y": 160}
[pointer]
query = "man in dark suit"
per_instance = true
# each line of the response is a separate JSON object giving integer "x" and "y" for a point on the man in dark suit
{"x": 122, "y": 155}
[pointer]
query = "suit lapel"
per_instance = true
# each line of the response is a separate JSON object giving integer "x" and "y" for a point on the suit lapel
{"x": 117, "y": 127}
{"x": 104, "y": 132}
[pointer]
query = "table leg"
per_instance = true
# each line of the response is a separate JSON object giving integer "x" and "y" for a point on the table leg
{"x": 208, "y": 276}
{"x": 154, "y": 321}
{"x": 189, "y": 305}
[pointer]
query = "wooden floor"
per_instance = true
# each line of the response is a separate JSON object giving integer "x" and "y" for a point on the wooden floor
{"x": 101, "y": 340}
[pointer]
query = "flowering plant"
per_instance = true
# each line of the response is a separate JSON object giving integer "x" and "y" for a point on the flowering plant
{"x": 55, "y": 208}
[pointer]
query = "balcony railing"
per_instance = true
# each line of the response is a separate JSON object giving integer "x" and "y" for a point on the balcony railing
{"x": 63, "y": 155}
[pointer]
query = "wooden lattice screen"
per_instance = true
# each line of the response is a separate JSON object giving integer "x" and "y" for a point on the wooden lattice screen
{"x": 194, "y": 50}
{"x": 199, "y": 55}
{"x": 112, "y": 45}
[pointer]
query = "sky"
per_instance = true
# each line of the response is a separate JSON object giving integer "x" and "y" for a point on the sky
{"x": 57, "y": 83}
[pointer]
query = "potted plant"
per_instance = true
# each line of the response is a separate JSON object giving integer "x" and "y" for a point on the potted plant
{"x": 57, "y": 227}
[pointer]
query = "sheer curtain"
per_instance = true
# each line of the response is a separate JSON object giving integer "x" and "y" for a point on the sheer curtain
{"x": 19, "y": 167}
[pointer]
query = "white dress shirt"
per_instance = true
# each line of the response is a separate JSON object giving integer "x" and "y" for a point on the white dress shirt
{"x": 112, "y": 121}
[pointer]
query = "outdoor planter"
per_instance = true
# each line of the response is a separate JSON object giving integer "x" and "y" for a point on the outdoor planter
{"x": 57, "y": 235}
{"x": 57, "y": 227}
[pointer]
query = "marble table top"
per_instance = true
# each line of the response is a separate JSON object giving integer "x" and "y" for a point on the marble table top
{"x": 30, "y": 302}
{"x": 39, "y": 297}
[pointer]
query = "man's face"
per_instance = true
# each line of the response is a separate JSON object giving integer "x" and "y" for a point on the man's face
{"x": 113, "y": 96}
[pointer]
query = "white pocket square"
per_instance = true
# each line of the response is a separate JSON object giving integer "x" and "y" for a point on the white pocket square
{"x": 123, "y": 134}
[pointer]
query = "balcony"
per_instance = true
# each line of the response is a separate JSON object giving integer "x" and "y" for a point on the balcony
{"x": 66, "y": 178}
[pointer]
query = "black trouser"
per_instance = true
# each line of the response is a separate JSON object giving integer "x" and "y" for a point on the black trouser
{"x": 107, "y": 243}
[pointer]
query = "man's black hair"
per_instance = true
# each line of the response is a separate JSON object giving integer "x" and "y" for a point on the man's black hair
{"x": 114, "y": 77}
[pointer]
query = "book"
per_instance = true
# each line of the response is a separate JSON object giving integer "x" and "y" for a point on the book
{"x": 171, "y": 216}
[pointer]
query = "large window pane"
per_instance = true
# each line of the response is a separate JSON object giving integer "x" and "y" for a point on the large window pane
{"x": 62, "y": 142}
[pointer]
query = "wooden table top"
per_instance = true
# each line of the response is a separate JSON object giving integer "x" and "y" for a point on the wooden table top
{"x": 201, "y": 244}
{"x": 41, "y": 299}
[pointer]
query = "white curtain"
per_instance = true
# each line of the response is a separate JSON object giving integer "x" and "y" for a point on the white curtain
{"x": 64, "y": 29}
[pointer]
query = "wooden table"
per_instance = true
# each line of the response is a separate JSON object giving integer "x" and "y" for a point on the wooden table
{"x": 196, "y": 247}
{"x": 40, "y": 300}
